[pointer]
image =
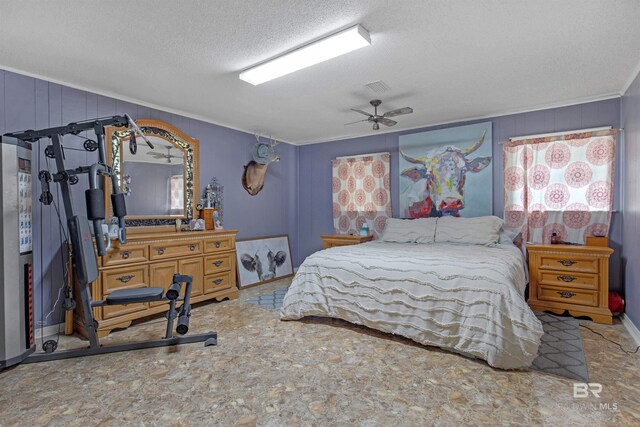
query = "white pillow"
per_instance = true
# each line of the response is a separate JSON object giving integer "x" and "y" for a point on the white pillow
{"x": 509, "y": 236}
{"x": 427, "y": 229}
{"x": 484, "y": 230}
{"x": 421, "y": 230}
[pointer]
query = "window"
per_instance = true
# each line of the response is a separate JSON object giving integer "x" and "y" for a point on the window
{"x": 177, "y": 192}
{"x": 561, "y": 185}
{"x": 361, "y": 193}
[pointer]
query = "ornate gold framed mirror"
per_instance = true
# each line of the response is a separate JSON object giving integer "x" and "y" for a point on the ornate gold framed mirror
{"x": 160, "y": 184}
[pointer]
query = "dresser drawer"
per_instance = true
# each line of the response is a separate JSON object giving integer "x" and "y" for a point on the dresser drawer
{"x": 217, "y": 282}
{"x": 569, "y": 262}
{"x": 127, "y": 254}
{"x": 568, "y": 295}
{"x": 161, "y": 276}
{"x": 123, "y": 278}
{"x": 218, "y": 263}
{"x": 568, "y": 279}
{"x": 171, "y": 250}
{"x": 111, "y": 311}
{"x": 219, "y": 244}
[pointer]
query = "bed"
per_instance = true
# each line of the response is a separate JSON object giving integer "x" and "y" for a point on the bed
{"x": 464, "y": 298}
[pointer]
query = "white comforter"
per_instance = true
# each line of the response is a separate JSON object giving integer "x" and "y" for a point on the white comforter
{"x": 464, "y": 298}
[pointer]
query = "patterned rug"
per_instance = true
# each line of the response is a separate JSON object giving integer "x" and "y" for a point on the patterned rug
{"x": 561, "y": 352}
{"x": 272, "y": 300}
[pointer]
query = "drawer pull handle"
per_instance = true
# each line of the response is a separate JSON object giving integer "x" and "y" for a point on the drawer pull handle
{"x": 193, "y": 247}
{"x": 125, "y": 254}
{"x": 567, "y": 262}
{"x": 217, "y": 263}
{"x": 566, "y": 294}
{"x": 217, "y": 281}
{"x": 160, "y": 250}
{"x": 217, "y": 244}
{"x": 567, "y": 278}
{"x": 127, "y": 278}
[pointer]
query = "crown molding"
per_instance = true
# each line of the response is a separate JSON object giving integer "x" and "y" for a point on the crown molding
{"x": 143, "y": 103}
{"x": 634, "y": 75}
{"x": 136, "y": 101}
{"x": 462, "y": 120}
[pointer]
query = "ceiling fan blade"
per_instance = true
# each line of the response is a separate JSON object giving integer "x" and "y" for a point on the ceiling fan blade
{"x": 387, "y": 122}
{"x": 398, "y": 112}
{"x": 362, "y": 112}
{"x": 359, "y": 121}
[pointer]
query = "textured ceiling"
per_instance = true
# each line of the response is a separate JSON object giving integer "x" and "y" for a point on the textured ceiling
{"x": 449, "y": 60}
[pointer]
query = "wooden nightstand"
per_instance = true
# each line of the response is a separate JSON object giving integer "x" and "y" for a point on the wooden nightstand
{"x": 572, "y": 278}
{"x": 331, "y": 240}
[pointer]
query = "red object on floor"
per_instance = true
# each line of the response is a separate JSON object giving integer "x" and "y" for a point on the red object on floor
{"x": 616, "y": 303}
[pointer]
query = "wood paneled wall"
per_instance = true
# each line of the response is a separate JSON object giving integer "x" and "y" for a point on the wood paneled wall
{"x": 314, "y": 191}
{"x": 28, "y": 103}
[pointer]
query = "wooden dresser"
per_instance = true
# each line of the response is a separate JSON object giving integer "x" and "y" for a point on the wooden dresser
{"x": 572, "y": 278}
{"x": 331, "y": 240}
{"x": 151, "y": 259}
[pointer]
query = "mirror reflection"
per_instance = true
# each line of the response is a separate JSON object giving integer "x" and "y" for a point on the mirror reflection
{"x": 159, "y": 183}
{"x": 153, "y": 179}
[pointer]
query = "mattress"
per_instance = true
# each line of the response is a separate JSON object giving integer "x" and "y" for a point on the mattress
{"x": 464, "y": 298}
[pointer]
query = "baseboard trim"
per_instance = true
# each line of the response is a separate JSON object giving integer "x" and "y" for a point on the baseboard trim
{"x": 631, "y": 328}
{"x": 47, "y": 331}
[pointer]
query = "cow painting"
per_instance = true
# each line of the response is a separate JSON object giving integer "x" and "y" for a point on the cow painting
{"x": 264, "y": 262}
{"x": 438, "y": 179}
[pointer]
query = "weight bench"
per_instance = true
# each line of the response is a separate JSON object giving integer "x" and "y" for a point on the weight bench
{"x": 84, "y": 255}
{"x": 132, "y": 296}
{"x": 87, "y": 272}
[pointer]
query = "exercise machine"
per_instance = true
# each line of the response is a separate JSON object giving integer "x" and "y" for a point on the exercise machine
{"x": 82, "y": 244}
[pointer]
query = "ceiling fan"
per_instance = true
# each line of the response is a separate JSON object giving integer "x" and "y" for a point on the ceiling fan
{"x": 376, "y": 119}
{"x": 167, "y": 156}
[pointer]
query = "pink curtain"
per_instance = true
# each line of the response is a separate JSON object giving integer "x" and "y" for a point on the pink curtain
{"x": 561, "y": 184}
{"x": 361, "y": 193}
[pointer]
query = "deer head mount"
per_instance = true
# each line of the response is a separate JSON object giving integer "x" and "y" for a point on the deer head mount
{"x": 255, "y": 171}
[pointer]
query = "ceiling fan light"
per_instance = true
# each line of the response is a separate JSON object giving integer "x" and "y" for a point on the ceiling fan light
{"x": 376, "y": 126}
{"x": 322, "y": 50}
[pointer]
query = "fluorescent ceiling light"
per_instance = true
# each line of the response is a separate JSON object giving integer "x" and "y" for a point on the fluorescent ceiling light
{"x": 329, "y": 47}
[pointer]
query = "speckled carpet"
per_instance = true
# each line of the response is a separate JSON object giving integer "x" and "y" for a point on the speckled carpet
{"x": 321, "y": 372}
{"x": 561, "y": 352}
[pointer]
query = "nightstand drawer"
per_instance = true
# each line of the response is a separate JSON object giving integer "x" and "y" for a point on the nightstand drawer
{"x": 569, "y": 262}
{"x": 568, "y": 296}
{"x": 333, "y": 240}
{"x": 568, "y": 279}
